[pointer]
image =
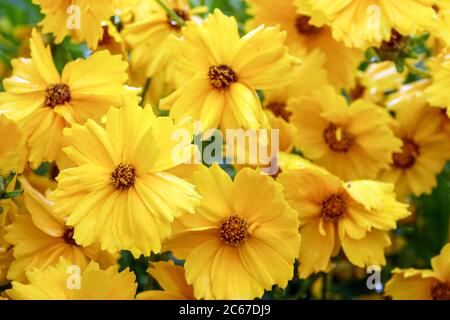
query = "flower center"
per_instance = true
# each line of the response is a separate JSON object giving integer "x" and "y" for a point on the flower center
{"x": 123, "y": 176}
{"x": 57, "y": 94}
{"x": 182, "y": 14}
{"x": 68, "y": 236}
{"x": 334, "y": 207}
{"x": 407, "y": 158}
{"x": 279, "y": 110}
{"x": 395, "y": 42}
{"x": 338, "y": 139}
{"x": 233, "y": 230}
{"x": 303, "y": 27}
{"x": 106, "y": 38}
{"x": 440, "y": 291}
{"x": 221, "y": 76}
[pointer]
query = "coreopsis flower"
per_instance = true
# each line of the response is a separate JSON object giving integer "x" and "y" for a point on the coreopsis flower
{"x": 79, "y": 19}
{"x": 171, "y": 279}
{"x": 111, "y": 40}
{"x": 352, "y": 142}
{"x": 355, "y": 215}
{"x": 221, "y": 71}
{"x": 44, "y": 102}
{"x": 55, "y": 283}
{"x": 366, "y": 23}
{"x": 151, "y": 36}
{"x": 120, "y": 191}
{"x": 425, "y": 146}
{"x": 8, "y": 213}
{"x": 243, "y": 238}
{"x": 307, "y": 32}
{"x": 413, "y": 284}
{"x": 41, "y": 237}
{"x": 440, "y": 72}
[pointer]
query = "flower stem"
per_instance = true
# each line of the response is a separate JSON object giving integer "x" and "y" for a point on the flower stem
{"x": 172, "y": 14}
{"x": 415, "y": 70}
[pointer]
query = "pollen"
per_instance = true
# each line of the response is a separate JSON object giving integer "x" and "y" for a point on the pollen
{"x": 233, "y": 230}
{"x": 440, "y": 291}
{"x": 221, "y": 76}
{"x": 57, "y": 94}
{"x": 407, "y": 158}
{"x": 334, "y": 207}
{"x": 123, "y": 176}
{"x": 304, "y": 27}
{"x": 338, "y": 139}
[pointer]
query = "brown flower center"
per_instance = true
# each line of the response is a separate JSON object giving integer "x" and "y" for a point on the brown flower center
{"x": 57, "y": 94}
{"x": 303, "y": 27}
{"x": 395, "y": 42}
{"x": 184, "y": 15}
{"x": 407, "y": 158}
{"x": 440, "y": 291}
{"x": 279, "y": 110}
{"x": 334, "y": 207}
{"x": 221, "y": 76}
{"x": 233, "y": 230}
{"x": 106, "y": 38}
{"x": 338, "y": 139}
{"x": 123, "y": 176}
{"x": 68, "y": 236}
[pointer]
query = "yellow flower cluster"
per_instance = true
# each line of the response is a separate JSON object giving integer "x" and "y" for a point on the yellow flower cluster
{"x": 354, "y": 145}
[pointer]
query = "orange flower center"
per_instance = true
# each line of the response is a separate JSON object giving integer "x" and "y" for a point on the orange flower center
{"x": 123, "y": 176}
{"x": 182, "y": 14}
{"x": 407, "y": 158}
{"x": 334, "y": 207}
{"x": 440, "y": 291}
{"x": 233, "y": 230}
{"x": 221, "y": 76}
{"x": 338, "y": 139}
{"x": 57, "y": 94}
{"x": 68, "y": 236}
{"x": 279, "y": 110}
{"x": 303, "y": 27}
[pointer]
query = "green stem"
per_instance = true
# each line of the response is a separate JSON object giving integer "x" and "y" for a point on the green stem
{"x": 172, "y": 14}
{"x": 144, "y": 91}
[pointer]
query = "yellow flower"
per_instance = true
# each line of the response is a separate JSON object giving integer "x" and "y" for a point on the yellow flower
{"x": 80, "y": 19}
{"x": 412, "y": 284}
{"x": 13, "y": 149}
{"x": 111, "y": 40}
{"x": 353, "y": 142}
{"x": 41, "y": 237}
{"x": 305, "y": 31}
{"x": 44, "y": 102}
{"x": 437, "y": 91}
{"x": 220, "y": 73}
{"x": 55, "y": 283}
{"x": 353, "y": 215}
{"x": 171, "y": 279}
{"x": 367, "y": 23}
{"x": 425, "y": 147}
{"x": 120, "y": 192}
{"x": 243, "y": 238}
{"x": 151, "y": 37}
